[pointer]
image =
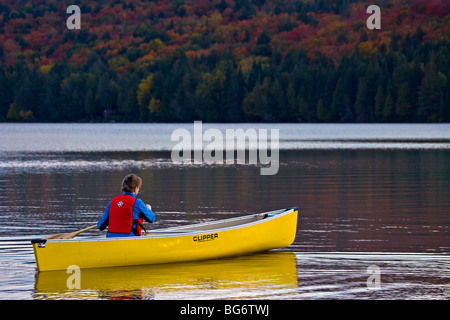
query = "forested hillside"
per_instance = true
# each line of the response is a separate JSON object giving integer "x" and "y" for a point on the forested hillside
{"x": 225, "y": 61}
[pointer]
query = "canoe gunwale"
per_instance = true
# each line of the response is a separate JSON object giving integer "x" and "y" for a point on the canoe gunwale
{"x": 181, "y": 230}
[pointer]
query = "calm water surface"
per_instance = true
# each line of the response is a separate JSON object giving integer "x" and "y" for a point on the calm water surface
{"x": 369, "y": 195}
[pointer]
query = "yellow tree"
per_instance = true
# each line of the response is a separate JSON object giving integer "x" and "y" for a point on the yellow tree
{"x": 144, "y": 95}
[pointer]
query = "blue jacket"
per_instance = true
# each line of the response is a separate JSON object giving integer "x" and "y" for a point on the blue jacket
{"x": 139, "y": 210}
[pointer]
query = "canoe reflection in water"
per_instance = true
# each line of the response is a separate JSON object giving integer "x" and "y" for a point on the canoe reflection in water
{"x": 263, "y": 275}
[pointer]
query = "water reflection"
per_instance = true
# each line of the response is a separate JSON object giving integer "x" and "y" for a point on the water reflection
{"x": 368, "y": 188}
{"x": 257, "y": 275}
{"x": 345, "y": 275}
{"x": 270, "y": 275}
{"x": 349, "y": 200}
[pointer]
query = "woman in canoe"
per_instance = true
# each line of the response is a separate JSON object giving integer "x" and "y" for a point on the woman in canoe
{"x": 125, "y": 213}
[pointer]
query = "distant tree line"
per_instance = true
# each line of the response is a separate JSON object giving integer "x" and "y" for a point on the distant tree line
{"x": 225, "y": 61}
{"x": 409, "y": 85}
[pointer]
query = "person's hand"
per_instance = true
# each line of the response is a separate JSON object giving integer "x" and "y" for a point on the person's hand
{"x": 149, "y": 206}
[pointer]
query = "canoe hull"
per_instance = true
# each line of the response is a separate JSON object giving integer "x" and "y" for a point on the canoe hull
{"x": 274, "y": 232}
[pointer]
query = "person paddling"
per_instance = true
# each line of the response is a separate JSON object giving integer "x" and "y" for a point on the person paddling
{"x": 125, "y": 213}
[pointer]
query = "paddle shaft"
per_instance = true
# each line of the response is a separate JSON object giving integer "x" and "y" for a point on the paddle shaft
{"x": 70, "y": 235}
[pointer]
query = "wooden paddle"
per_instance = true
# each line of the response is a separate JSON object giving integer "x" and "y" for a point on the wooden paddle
{"x": 70, "y": 235}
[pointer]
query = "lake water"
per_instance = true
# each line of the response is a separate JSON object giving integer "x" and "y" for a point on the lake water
{"x": 370, "y": 196}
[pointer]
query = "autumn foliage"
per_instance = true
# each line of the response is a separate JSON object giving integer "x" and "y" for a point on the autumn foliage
{"x": 225, "y": 61}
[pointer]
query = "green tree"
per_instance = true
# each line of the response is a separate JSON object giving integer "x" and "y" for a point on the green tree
{"x": 291, "y": 107}
{"x": 388, "y": 109}
{"x": 107, "y": 94}
{"x": 210, "y": 91}
{"x": 430, "y": 99}
{"x": 262, "y": 46}
{"x": 403, "y": 108}
{"x": 52, "y": 102}
{"x": 361, "y": 102}
{"x": 305, "y": 112}
{"x": 323, "y": 113}
{"x": 279, "y": 102}
{"x": 73, "y": 97}
{"x": 6, "y": 98}
{"x": 258, "y": 103}
{"x": 340, "y": 106}
{"x": 234, "y": 94}
{"x": 379, "y": 103}
{"x": 27, "y": 97}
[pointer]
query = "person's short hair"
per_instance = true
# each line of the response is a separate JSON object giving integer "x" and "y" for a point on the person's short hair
{"x": 130, "y": 182}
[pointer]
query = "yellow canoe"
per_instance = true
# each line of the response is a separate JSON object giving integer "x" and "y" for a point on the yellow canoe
{"x": 209, "y": 240}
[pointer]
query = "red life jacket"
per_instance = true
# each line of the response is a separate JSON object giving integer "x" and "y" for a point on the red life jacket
{"x": 121, "y": 215}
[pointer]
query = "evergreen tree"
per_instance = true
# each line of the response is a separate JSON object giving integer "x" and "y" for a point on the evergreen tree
{"x": 262, "y": 47}
{"x": 279, "y": 102}
{"x": 388, "y": 109}
{"x": 51, "y": 97}
{"x": 430, "y": 99}
{"x": 338, "y": 98}
{"x": 379, "y": 104}
{"x": 323, "y": 113}
{"x": 340, "y": 106}
{"x": 305, "y": 112}
{"x": 107, "y": 94}
{"x": 259, "y": 102}
{"x": 28, "y": 97}
{"x": 360, "y": 107}
{"x": 291, "y": 107}
{"x": 73, "y": 97}
{"x": 403, "y": 108}
{"x": 6, "y": 97}
{"x": 233, "y": 97}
